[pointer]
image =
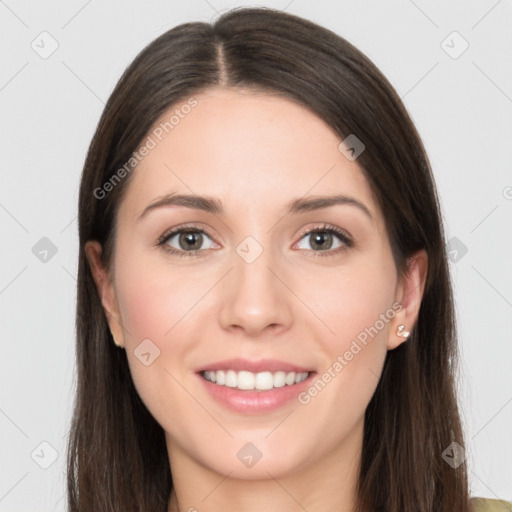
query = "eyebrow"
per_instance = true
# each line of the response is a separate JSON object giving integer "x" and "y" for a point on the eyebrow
{"x": 214, "y": 206}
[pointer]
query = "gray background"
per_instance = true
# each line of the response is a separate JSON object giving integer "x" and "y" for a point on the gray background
{"x": 460, "y": 102}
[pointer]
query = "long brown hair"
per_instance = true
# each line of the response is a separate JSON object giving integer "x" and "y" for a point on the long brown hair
{"x": 117, "y": 458}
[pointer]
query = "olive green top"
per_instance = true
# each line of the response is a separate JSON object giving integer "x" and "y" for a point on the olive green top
{"x": 488, "y": 505}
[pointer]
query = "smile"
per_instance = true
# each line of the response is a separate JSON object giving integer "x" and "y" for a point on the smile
{"x": 261, "y": 381}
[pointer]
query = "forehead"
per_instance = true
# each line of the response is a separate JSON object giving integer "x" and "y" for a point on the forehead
{"x": 247, "y": 149}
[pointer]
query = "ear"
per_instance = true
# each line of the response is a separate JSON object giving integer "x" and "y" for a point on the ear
{"x": 409, "y": 294}
{"x": 106, "y": 290}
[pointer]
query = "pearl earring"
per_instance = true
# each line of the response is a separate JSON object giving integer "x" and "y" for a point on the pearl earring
{"x": 401, "y": 332}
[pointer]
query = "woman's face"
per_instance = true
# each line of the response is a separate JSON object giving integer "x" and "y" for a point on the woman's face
{"x": 240, "y": 286}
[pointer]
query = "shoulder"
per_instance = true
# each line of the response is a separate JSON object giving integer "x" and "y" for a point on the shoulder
{"x": 489, "y": 505}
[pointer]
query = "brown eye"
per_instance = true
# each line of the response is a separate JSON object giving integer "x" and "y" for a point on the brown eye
{"x": 190, "y": 240}
{"x": 321, "y": 240}
{"x": 185, "y": 241}
{"x": 325, "y": 239}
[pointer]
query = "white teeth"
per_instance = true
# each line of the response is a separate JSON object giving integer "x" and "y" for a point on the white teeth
{"x": 230, "y": 379}
{"x": 262, "y": 381}
{"x": 211, "y": 376}
{"x": 245, "y": 380}
{"x": 279, "y": 379}
{"x": 290, "y": 379}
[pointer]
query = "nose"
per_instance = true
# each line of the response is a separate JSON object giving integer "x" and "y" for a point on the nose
{"x": 255, "y": 298}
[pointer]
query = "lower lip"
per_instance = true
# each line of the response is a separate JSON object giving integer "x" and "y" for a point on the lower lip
{"x": 255, "y": 402}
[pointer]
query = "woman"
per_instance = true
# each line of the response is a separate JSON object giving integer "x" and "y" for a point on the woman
{"x": 264, "y": 314}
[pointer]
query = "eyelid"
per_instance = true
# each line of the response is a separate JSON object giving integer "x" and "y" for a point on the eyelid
{"x": 323, "y": 226}
{"x": 346, "y": 239}
{"x": 171, "y": 232}
{"x": 343, "y": 235}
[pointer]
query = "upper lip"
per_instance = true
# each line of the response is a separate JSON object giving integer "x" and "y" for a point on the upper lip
{"x": 238, "y": 364}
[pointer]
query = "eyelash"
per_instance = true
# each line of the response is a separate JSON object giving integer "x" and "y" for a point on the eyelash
{"x": 323, "y": 228}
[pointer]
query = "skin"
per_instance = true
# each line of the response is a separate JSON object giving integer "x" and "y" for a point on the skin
{"x": 255, "y": 152}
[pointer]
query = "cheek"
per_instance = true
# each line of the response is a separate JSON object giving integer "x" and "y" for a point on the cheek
{"x": 355, "y": 306}
{"x": 153, "y": 302}
{"x": 155, "y": 307}
{"x": 157, "y": 311}
{"x": 350, "y": 300}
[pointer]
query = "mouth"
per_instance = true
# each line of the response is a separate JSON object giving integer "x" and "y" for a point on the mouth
{"x": 254, "y": 387}
{"x": 247, "y": 381}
